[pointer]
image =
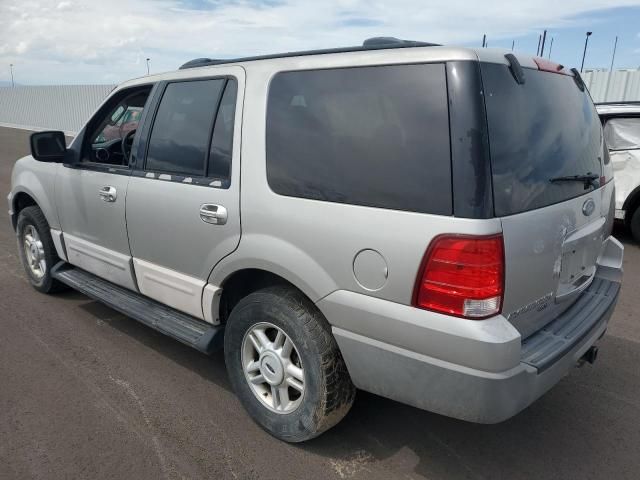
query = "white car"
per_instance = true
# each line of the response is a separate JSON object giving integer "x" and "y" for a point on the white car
{"x": 621, "y": 123}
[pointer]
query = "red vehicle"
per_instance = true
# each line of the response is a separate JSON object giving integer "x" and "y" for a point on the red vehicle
{"x": 127, "y": 122}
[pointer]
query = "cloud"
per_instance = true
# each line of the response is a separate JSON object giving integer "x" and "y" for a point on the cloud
{"x": 96, "y": 40}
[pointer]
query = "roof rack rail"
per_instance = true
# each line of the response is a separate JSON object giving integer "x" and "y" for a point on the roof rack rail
{"x": 375, "y": 43}
{"x": 198, "y": 62}
{"x": 620, "y": 102}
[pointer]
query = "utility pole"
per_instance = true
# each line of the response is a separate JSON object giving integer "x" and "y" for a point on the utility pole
{"x": 11, "y": 69}
{"x": 538, "y": 49}
{"x": 148, "y": 59}
{"x": 550, "y": 47}
{"x": 513, "y": 44}
{"x": 544, "y": 40}
{"x": 615, "y": 45}
{"x": 484, "y": 40}
{"x": 584, "y": 54}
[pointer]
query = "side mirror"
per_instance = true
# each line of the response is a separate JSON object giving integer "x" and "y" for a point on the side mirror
{"x": 48, "y": 146}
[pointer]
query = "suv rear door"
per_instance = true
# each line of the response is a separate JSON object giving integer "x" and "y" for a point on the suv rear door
{"x": 183, "y": 203}
{"x": 541, "y": 133}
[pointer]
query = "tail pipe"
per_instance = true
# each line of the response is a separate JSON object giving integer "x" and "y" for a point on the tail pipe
{"x": 590, "y": 356}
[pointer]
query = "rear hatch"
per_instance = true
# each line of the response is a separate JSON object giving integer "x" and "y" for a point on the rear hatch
{"x": 542, "y": 134}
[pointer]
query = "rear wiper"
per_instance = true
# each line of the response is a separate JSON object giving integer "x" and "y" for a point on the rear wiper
{"x": 589, "y": 179}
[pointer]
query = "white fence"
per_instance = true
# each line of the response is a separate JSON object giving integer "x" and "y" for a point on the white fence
{"x": 68, "y": 107}
{"x": 619, "y": 85}
{"x": 56, "y": 107}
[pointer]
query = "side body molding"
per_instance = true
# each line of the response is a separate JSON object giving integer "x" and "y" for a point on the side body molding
{"x": 175, "y": 289}
{"x": 112, "y": 266}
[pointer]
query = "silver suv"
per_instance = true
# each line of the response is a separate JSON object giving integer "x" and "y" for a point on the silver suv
{"x": 430, "y": 224}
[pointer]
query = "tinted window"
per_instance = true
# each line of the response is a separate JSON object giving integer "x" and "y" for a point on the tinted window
{"x": 181, "y": 131}
{"x": 375, "y": 136}
{"x": 623, "y": 133}
{"x": 544, "y": 129}
{"x": 222, "y": 141}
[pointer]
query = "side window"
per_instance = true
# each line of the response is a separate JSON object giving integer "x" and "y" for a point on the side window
{"x": 373, "y": 136}
{"x": 222, "y": 141}
{"x": 118, "y": 120}
{"x": 623, "y": 133}
{"x": 179, "y": 141}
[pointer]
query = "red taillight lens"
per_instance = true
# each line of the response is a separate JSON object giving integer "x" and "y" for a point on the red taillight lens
{"x": 462, "y": 275}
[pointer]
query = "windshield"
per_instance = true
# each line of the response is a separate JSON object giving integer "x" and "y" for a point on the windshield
{"x": 542, "y": 130}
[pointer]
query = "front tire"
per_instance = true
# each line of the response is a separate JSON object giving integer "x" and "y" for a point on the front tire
{"x": 36, "y": 249}
{"x": 285, "y": 366}
{"x": 635, "y": 225}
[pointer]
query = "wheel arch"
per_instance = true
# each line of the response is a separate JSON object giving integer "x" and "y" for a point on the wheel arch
{"x": 36, "y": 180}
{"x": 631, "y": 203}
{"x": 262, "y": 258}
{"x": 19, "y": 202}
{"x": 240, "y": 283}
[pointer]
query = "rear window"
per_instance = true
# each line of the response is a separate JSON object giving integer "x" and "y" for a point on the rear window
{"x": 544, "y": 129}
{"x": 374, "y": 136}
{"x": 623, "y": 133}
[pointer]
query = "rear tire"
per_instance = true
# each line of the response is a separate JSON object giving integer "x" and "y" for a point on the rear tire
{"x": 635, "y": 225}
{"x": 36, "y": 250}
{"x": 317, "y": 395}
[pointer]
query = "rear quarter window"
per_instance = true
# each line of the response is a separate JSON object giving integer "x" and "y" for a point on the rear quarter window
{"x": 372, "y": 136}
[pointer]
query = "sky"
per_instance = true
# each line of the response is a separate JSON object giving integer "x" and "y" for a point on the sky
{"x": 108, "y": 41}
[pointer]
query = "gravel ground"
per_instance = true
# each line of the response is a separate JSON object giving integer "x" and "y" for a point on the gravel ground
{"x": 87, "y": 393}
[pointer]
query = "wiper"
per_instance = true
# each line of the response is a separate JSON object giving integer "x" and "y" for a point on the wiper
{"x": 589, "y": 179}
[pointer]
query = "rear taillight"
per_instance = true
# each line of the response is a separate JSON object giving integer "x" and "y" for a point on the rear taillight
{"x": 549, "y": 66}
{"x": 462, "y": 275}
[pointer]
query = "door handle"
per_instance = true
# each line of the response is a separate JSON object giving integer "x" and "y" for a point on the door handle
{"x": 108, "y": 194}
{"x": 214, "y": 214}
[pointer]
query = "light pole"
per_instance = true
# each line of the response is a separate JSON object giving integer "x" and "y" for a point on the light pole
{"x": 11, "y": 70}
{"x": 613, "y": 57}
{"x": 148, "y": 59}
{"x": 584, "y": 54}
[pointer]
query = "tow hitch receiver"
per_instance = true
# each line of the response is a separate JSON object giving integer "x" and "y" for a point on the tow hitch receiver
{"x": 589, "y": 356}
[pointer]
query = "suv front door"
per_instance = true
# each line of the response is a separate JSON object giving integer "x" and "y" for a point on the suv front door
{"x": 183, "y": 201}
{"x": 90, "y": 194}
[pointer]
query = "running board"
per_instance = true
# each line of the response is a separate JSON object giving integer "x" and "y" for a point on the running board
{"x": 189, "y": 330}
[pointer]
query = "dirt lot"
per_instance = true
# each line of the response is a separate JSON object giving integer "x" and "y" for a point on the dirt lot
{"x": 88, "y": 393}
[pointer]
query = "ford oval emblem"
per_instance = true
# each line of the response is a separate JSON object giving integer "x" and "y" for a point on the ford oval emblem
{"x": 588, "y": 207}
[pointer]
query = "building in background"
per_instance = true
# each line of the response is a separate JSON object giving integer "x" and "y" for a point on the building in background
{"x": 616, "y": 86}
{"x": 68, "y": 107}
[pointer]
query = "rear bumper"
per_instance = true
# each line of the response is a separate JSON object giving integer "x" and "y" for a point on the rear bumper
{"x": 473, "y": 374}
